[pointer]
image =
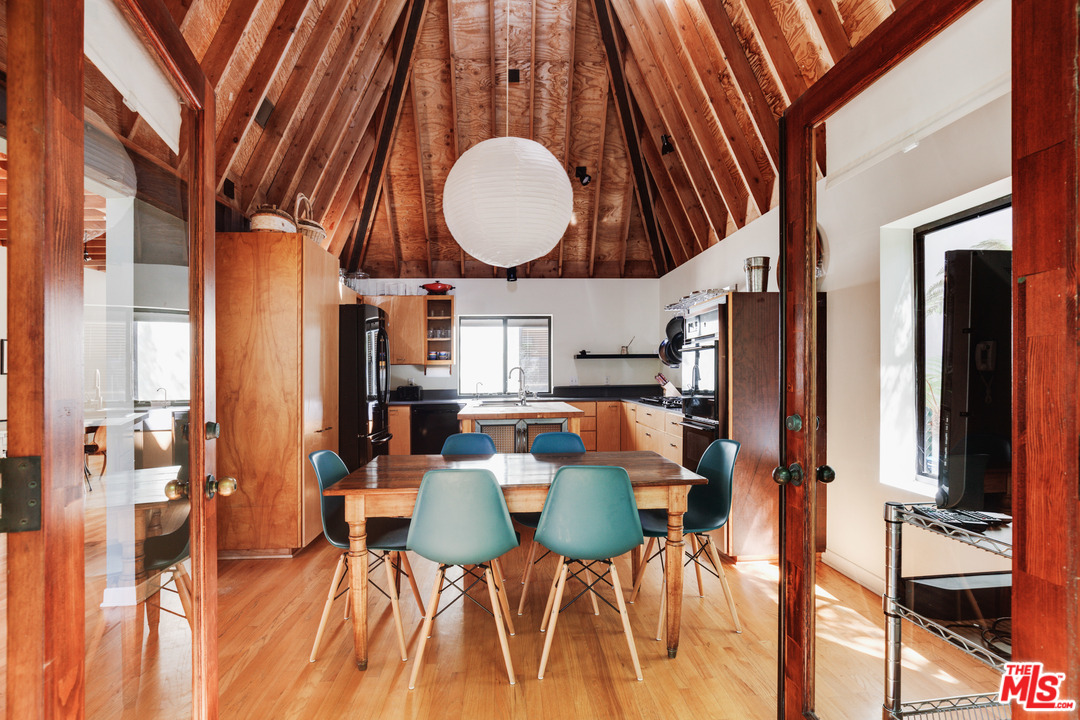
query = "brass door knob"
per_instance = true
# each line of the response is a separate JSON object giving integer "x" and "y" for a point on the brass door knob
{"x": 226, "y": 486}
{"x": 175, "y": 489}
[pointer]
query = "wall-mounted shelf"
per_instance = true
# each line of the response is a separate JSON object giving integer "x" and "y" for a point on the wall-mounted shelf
{"x": 586, "y": 355}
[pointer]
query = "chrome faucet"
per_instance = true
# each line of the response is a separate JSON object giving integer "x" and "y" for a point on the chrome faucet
{"x": 522, "y": 394}
{"x": 479, "y": 383}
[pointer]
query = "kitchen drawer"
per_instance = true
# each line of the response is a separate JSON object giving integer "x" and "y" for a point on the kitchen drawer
{"x": 648, "y": 438}
{"x": 673, "y": 424}
{"x": 652, "y": 417}
{"x": 589, "y": 408}
{"x": 671, "y": 447}
{"x": 588, "y": 424}
{"x": 589, "y": 438}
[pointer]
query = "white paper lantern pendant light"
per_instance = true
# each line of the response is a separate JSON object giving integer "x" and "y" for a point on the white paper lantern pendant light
{"x": 507, "y": 200}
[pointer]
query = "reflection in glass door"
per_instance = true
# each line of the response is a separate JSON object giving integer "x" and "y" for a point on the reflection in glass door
{"x": 136, "y": 400}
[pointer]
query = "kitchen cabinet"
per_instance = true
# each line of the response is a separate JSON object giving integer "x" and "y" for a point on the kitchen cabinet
{"x": 659, "y": 431}
{"x": 399, "y": 425}
{"x": 608, "y": 425}
{"x": 420, "y": 328}
{"x": 749, "y": 380}
{"x": 439, "y": 330}
{"x": 588, "y": 423}
{"x": 406, "y": 326}
{"x": 277, "y": 395}
{"x": 628, "y": 425}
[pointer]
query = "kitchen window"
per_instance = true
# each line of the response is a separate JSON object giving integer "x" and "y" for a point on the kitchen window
{"x": 489, "y": 346}
{"x": 162, "y": 356}
{"x": 986, "y": 227}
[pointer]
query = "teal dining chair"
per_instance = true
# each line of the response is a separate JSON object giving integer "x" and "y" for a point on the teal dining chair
{"x": 385, "y": 539}
{"x": 549, "y": 443}
{"x": 468, "y": 444}
{"x": 460, "y": 519}
{"x": 164, "y": 555}
{"x": 590, "y": 517}
{"x": 707, "y": 509}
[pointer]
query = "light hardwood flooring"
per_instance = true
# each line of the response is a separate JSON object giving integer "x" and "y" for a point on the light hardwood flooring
{"x": 269, "y": 610}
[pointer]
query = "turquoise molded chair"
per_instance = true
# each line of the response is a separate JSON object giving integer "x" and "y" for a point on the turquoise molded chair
{"x": 468, "y": 444}
{"x": 590, "y": 517}
{"x": 707, "y": 509}
{"x": 385, "y": 539}
{"x": 166, "y": 554}
{"x": 549, "y": 443}
{"x": 460, "y": 518}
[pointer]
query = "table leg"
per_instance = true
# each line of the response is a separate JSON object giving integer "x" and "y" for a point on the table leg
{"x": 674, "y": 572}
{"x": 358, "y": 585}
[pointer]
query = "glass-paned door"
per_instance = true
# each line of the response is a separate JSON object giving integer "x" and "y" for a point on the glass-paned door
{"x": 137, "y": 382}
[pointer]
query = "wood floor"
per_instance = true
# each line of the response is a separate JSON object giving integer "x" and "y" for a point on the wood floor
{"x": 269, "y": 610}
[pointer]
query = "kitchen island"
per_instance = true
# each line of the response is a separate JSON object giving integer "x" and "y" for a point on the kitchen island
{"x": 513, "y": 426}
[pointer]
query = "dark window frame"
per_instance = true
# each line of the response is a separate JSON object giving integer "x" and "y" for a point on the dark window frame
{"x": 919, "y": 292}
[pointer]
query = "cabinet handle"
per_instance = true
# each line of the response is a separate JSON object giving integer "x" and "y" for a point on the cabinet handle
{"x": 325, "y": 429}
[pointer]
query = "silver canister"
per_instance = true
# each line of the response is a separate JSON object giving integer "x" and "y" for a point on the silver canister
{"x": 757, "y": 273}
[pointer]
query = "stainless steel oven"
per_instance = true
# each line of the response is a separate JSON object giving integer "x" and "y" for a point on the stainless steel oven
{"x": 698, "y": 434}
{"x": 699, "y": 371}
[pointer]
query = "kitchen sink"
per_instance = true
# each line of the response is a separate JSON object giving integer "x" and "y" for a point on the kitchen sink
{"x": 502, "y": 403}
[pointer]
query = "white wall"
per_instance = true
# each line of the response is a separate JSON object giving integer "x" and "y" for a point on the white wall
{"x": 969, "y": 154}
{"x": 598, "y": 315}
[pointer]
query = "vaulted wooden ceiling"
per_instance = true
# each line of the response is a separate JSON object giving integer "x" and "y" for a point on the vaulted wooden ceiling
{"x": 371, "y": 101}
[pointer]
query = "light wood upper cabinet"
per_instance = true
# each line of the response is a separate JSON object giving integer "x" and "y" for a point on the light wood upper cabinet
{"x": 277, "y": 374}
{"x": 406, "y": 326}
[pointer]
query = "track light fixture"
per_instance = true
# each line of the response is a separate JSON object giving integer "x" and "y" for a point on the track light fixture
{"x": 582, "y": 175}
{"x": 665, "y": 145}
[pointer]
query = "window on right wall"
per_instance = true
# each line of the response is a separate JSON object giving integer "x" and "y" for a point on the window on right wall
{"x": 986, "y": 227}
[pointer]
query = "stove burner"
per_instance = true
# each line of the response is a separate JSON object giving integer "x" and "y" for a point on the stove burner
{"x": 663, "y": 401}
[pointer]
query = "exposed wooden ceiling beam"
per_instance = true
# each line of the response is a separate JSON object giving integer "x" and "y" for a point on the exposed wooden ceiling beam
{"x": 253, "y": 90}
{"x": 744, "y": 148}
{"x": 674, "y": 242}
{"x": 324, "y": 181}
{"x": 179, "y": 9}
{"x": 422, "y": 174}
{"x": 300, "y": 173}
{"x": 741, "y": 71}
{"x": 265, "y": 181}
{"x": 664, "y": 175}
{"x": 605, "y": 22}
{"x": 395, "y": 240}
{"x": 624, "y": 232}
{"x": 286, "y": 110}
{"x": 594, "y": 219}
{"x": 234, "y": 23}
{"x": 832, "y": 29}
{"x": 717, "y": 207}
{"x": 346, "y": 191}
{"x": 386, "y": 132}
{"x": 672, "y": 87}
{"x": 777, "y": 48}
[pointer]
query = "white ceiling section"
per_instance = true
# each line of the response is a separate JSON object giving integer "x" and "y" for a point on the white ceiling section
{"x": 118, "y": 53}
{"x": 963, "y": 68}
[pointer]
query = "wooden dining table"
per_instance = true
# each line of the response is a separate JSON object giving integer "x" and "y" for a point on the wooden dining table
{"x": 387, "y": 487}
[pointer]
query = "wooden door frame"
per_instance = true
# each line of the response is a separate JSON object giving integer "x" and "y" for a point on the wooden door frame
{"x": 46, "y": 673}
{"x": 1045, "y": 203}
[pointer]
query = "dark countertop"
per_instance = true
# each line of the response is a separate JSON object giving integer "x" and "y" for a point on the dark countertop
{"x": 540, "y": 398}
{"x": 561, "y": 393}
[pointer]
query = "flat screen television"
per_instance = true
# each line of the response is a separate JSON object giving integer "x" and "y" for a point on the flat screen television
{"x": 975, "y": 448}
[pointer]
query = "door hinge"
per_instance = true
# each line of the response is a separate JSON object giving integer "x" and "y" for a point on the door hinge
{"x": 20, "y": 494}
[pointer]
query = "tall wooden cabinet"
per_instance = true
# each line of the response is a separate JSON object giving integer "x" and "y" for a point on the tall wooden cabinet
{"x": 749, "y": 382}
{"x": 277, "y": 375}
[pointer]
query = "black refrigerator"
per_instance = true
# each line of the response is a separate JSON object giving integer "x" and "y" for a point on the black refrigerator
{"x": 363, "y": 385}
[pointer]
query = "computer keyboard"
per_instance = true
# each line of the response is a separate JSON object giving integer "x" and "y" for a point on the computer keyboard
{"x": 966, "y": 519}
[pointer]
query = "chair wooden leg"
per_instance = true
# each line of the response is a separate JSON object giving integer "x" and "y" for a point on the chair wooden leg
{"x": 625, "y": 620}
{"x": 438, "y": 597}
{"x": 339, "y": 572}
{"x": 526, "y": 575}
{"x": 592, "y": 595}
{"x": 183, "y": 588}
{"x": 697, "y": 565}
{"x": 551, "y": 595}
{"x": 403, "y": 558}
{"x": 395, "y": 604}
{"x": 500, "y": 579}
{"x": 425, "y": 633}
{"x": 554, "y": 616}
{"x": 641, "y": 569}
{"x": 723, "y": 582}
{"x": 527, "y": 571}
{"x": 497, "y": 593}
{"x": 663, "y": 607}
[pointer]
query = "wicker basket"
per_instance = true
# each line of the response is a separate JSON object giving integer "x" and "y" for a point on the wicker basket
{"x": 311, "y": 230}
{"x": 269, "y": 218}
